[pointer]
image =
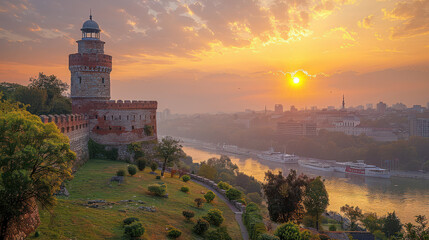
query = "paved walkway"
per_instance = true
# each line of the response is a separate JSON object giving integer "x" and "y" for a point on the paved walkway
{"x": 238, "y": 214}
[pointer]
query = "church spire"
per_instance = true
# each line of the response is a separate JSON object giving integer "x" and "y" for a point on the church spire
{"x": 90, "y": 14}
{"x": 344, "y": 103}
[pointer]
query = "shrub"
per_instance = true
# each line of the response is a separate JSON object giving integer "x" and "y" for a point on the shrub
{"x": 288, "y": 231}
{"x": 188, "y": 214}
{"x": 332, "y": 228}
{"x": 134, "y": 230}
{"x": 132, "y": 170}
{"x": 223, "y": 185}
{"x": 184, "y": 189}
{"x": 141, "y": 164}
{"x": 153, "y": 166}
{"x": 120, "y": 173}
{"x": 233, "y": 194}
{"x": 266, "y": 236}
{"x": 218, "y": 234}
{"x": 253, "y": 220}
{"x": 209, "y": 196}
{"x": 199, "y": 201}
{"x": 128, "y": 221}
{"x": 36, "y": 234}
{"x": 214, "y": 217}
{"x": 242, "y": 201}
{"x": 158, "y": 177}
{"x": 158, "y": 190}
{"x": 324, "y": 237}
{"x": 186, "y": 178}
{"x": 255, "y": 197}
{"x": 174, "y": 233}
{"x": 201, "y": 226}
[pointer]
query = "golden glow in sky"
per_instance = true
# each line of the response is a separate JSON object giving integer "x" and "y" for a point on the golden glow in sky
{"x": 295, "y": 80}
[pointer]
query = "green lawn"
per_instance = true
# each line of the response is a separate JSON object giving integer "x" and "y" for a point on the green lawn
{"x": 71, "y": 220}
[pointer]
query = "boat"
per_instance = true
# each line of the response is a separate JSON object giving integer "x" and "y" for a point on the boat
{"x": 233, "y": 149}
{"x": 360, "y": 168}
{"x": 316, "y": 165}
{"x": 273, "y": 156}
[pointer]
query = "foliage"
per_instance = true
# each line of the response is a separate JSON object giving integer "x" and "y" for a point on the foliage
{"x": 128, "y": 221}
{"x": 141, "y": 164}
{"x": 233, "y": 194}
{"x": 242, "y": 201}
{"x": 332, "y": 228}
{"x": 353, "y": 214}
{"x": 169, "y": 150}
{"x": 199, "y": 201}
{"x": 255, "y": 197}
{"x": 371, "y": 222}
{"x": 188, "y": 214}
{"x": 174, "y": 233}
{"x": 392, "y": 225}
{"x": 207, "y": 171}
{"x": 186, "y": 178}
{"x": 136, "y": 149}
{"x": 35, "y": 158}
{"x": 316, "y": 199}
{"x": 379, "y": 235}
{"x": 184, "y": 189}
{"x": 253, "y": 221}
{"x": 132, "y": 170}
{"x": 324, "y": 237}
{"x": 134, "y": 230}
{"x": 266, "y": 236}
{"x": 153, "y": 166}
{"x": 158, "y": 190}
{"x": 285, "y": 195}
{"x": 214, "y": 217}
{"x": 97, "y": 150}
{"x": 218, "y": 234}
{"x": 223, "y": 185}
{"x": 209, "y": 196}
{"x": 148, "y": 130}
{"x": 419, "y": 231}
{"x": 120, "y": 173}
{"x": 290, "y": 231}
{"x": 201, "y": 226}
{"x": 36, "y": 234}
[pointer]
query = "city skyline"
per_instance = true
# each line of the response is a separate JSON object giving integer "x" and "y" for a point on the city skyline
{"x": 233, "y": 55}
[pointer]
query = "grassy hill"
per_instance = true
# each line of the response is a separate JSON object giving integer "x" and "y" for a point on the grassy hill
{"x": 71, "y": 219}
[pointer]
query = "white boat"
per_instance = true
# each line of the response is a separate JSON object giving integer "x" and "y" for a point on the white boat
{"x": 360, "y": 168}
{"x": 316, "y": 165}
{"x": 233, "y": 149}
{"x": 273, "y": 156}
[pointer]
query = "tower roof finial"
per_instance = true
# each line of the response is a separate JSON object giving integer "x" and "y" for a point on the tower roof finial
{"x": 90, "y": 14}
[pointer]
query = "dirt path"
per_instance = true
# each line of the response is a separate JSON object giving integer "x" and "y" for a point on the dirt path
{"x": 237, "y": 213}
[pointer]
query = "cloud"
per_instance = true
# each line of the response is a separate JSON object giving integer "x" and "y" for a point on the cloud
{"x": 366, "y": 22}
{"x": 413, "y": 16}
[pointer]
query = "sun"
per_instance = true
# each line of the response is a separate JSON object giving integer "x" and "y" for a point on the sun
{"x": 296, "y": 80}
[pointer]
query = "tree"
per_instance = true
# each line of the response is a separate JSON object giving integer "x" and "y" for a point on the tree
{"x": 141, "y": 164}
{"x": 353, "y": 214}
{"x": 419, "y": 231}
{"x": 207, "y": 171}
{"x": 209, "y": 196}
{"x": 316, "y": 199}
{"x": 392, "y": 225}
{"x": 288, "y": 231}
{"x": 371, "y": 222}
{"x": 54, "y": 87}
{"x": 285, "y": 195}
{"x": 214, "y": 217}
{"x": 35, "y": 158}
{"x": 169, "y": 150}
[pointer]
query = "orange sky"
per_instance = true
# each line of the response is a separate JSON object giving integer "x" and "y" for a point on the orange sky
{"x": 228, "y": 55}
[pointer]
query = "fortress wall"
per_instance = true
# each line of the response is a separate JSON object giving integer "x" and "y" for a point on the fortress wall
{"x": 76, "y": 128}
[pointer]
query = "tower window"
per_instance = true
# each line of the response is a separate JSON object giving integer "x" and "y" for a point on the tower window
{"x": 104, "y": 117}
{"x": 120, "y": 117}
{"x": 80, "y": 80}
{"x": 132, "y": 127}
{"x": 98, "y": 127}
{"x": 102, "y": 80}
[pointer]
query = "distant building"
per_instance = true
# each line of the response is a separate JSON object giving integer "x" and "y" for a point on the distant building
{"x": 399, "y": 106}
{"x": 297, "y": 128}
{"x": 314, "y": 108}
{"x": 369, "y": 106}
{"x": 417, "y": 108}
{"x": 278, "y": 109}
{"x": 293, "y": 108}
{"x": 419, "y": 127}
{"x": 360, "y": 108}
{"x": 381, "y": 107}
{"x": 331, "y": 108}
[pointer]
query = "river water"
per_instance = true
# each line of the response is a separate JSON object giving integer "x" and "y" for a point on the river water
{"x": 407, "y": 197}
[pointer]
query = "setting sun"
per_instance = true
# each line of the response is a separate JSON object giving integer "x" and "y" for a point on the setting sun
{"x": 295, "y": 80}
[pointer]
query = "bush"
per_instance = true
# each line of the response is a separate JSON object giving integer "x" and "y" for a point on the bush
{"x": 158, "y": 190}
{"x": 214, "y": 217}
{"x": 253, "y": 220}
{"x": 132, "y": 170}
{"x": 201, "y": 226}
{"x": 36, "y": 234}
{"x": 266, "y": 236}
{"x": 141, "y": 164}
{"x": 128, "y": 221}
{"x": 332, "y": 228}
{"x": 186, "y": 178}
{"x": 174, "y": 233}
{"x": 120, "y": 173}
{"x": 233, "y": 194}
{"x": 188, "y": 214}
{"x": 324, "y": 237}
{"x": 158, "y": 177}
{"x": 184, "y": 189}
{"x": 288, "y": 231}
{"x": 218, "y": 234}
{"x": 223, "y": 185}
{"x": 209, "y": 196}
{"x": 199, "y": 201}
{"x": 242, "y": 201}
{"x": 255, "y": 197}
{"x": 153, "y": 166}
{"x": 134, "y": 230}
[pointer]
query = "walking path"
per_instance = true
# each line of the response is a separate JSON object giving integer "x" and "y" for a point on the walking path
{"x": 237, "y": 212}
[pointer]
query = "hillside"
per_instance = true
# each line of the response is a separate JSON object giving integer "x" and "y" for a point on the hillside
{"x": 71, "y": 219}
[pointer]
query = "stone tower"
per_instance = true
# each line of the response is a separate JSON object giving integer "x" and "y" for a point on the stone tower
{"x": 90, "y": 68}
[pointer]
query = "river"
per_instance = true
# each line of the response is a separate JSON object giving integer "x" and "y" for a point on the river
{"x": 407, "y": 197}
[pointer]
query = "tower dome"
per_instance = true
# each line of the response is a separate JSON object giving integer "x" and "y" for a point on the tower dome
{"x": 90, "y": 29}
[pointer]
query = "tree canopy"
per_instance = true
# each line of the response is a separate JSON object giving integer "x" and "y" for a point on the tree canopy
{"x": 169, "y": 150}
{"x": 316, "y": 199}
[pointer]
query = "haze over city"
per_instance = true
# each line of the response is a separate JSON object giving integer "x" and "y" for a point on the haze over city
{"x": 233, "y": 54}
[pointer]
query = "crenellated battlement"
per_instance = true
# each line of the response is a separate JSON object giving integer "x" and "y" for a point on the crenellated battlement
{"x": 67, "y": 122}
{"x": 125, "y": 104}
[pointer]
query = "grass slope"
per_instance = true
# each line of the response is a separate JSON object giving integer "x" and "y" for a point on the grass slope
{"x": 71, "y": 220}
